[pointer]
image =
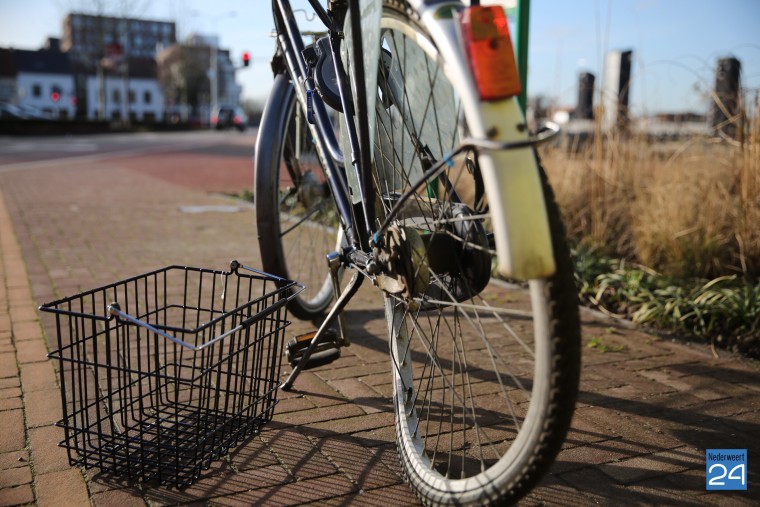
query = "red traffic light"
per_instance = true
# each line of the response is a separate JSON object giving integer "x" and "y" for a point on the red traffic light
{"x": 246, "y": 59}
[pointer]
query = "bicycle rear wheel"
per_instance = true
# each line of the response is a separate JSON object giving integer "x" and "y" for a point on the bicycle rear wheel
{"x": 296, "y": 216}
{"x": 485, "y": 373}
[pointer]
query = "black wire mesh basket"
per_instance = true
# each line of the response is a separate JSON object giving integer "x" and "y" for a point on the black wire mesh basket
{"x": 163, "y": 373}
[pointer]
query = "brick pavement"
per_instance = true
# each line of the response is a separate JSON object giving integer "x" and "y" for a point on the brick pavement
{"x": 645, "y": 416}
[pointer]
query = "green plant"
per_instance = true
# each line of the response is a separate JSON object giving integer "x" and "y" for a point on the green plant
{"x": 725, "y": 310}
{"x": 597, "y": 343}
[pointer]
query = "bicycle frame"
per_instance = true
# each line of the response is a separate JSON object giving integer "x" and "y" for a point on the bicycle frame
{"x": 291, "y": 45}
{"x": 497, "y": 129}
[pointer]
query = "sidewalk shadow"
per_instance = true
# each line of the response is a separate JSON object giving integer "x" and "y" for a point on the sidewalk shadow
{"x": 295, "y": 465}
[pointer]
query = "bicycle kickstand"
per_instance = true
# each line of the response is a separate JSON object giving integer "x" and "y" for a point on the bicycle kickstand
{"x": 322, "y": 332}
{"x": 333, "y": 262}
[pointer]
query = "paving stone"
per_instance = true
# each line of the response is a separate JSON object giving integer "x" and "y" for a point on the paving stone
{"x": 298, "y": 453}
{"x": 99, "y": 482}
{"x": 380, "y": 497}
{"x": 317, "y": 390}
{"x": 18, "y": 495}
{"x": 594, "y": 453}
{"x": 8, "y": 365}
{"x": 221, "y": 485}
{"x": 354, "y": 371}
{"x": 626, "y": 425}
{"x": 376, "y": 437}
{"x": 48, "y": 456}
{"x": 294, "y": 404}
{"x": 15, "y": 477}
{"x": 43, "y": 407}
{"x": 253, "y": 454}
{"x": 61, "y": 489}
{"x": 552, "y": 490}
{"x": 12, "y": 436}
{"x": 658, "y": 491}
{"x": 637, "y": 390}
{"x": 26, "y": 330}
{"x": 594, "y": 487}
{"x": 38, "y": 376}
{"x": 119, "y": 497}
{"x": 320, "y": 415}
{"x": 362, "y": 395}
{"x": 293, "y": 493}
{"x": 584, "y": 432}
{"x": 14, "y": 459}
{"x": 362, "y": 466}
{"x": 10, "y": 392}
{"x": 656, "y": 464}
{"x": 22, "y": 314}
{"x": 363, "y": 422}
{"x": 31, "y": 351}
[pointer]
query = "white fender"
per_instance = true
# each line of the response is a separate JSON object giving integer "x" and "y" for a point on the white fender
{"x": 511, "y": 177}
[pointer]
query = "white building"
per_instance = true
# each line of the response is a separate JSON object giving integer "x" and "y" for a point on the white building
{"x": 134, "y": 94}
{"x": 43, "y": 83}
{"x": 139, "y": 98}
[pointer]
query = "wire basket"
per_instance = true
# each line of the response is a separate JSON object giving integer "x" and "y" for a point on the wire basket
{"x": 163, "y": 373}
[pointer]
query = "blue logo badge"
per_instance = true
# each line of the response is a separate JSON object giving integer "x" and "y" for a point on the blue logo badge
{"x": 726, "y": 469}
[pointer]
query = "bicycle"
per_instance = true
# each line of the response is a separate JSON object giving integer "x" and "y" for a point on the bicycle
{"x": 426, "y": 183}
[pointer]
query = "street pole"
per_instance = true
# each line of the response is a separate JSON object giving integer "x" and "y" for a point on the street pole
{"x": 214, "y": 76}
{"x": 523, "y": 27}
{"x": 101, "y": 92}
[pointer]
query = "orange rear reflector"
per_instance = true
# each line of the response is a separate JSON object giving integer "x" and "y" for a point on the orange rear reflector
{"x": 486, "y": 38}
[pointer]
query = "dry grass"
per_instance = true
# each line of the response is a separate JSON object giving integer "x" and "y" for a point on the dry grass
{"x": 687, "y": 208}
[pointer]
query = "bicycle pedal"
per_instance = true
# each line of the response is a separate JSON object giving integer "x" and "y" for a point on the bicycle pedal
{"x": 327, "y": 351}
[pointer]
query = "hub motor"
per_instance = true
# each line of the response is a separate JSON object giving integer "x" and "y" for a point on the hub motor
{"x": 450, "y": 263}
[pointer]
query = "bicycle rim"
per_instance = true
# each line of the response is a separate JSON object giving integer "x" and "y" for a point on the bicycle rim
{"x": 484, "y": 384}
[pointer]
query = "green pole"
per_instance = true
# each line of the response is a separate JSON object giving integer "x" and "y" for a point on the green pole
{"x": 523, "y": 27}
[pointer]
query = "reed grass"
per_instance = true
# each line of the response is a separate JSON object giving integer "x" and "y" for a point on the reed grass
{"x": 688, "y": 208}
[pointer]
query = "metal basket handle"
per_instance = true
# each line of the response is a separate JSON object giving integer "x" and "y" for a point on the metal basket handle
{"x": 114, "y": 309}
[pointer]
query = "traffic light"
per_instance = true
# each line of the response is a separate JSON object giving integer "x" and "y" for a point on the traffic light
{"x": 246, "y": 59}
{"x": 55, "y": 94}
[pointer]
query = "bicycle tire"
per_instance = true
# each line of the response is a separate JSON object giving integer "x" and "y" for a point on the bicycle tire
{"x": 475, "y": 424}
{"x": 295, "y": 214}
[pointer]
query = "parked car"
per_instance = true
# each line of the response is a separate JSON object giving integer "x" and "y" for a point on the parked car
{"x": 24, "y": 112}
{"x": 225, "y": 117}
{"x": 10, "y": 111}
{"x": 35, "y": 113}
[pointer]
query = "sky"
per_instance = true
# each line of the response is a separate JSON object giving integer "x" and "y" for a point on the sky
{"x": 675, "y": 43}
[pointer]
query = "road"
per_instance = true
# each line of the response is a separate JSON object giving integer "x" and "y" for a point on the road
{"x": 29, "y": 152}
